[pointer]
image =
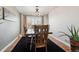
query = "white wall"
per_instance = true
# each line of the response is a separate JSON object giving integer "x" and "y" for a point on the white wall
{"x": 62, "y": 17}
{"x": 45, "y": 19}
{"x": 9, "y": 30}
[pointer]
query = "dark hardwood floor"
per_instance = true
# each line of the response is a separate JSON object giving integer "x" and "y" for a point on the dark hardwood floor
{"x": 23, "y": 46}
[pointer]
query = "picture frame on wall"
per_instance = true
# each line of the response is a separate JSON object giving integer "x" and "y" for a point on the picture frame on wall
{"x": 1, "y": 11}
{"x": 6, "y": 15}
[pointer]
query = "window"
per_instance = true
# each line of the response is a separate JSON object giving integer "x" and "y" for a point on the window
{"x": 34, "y": 20}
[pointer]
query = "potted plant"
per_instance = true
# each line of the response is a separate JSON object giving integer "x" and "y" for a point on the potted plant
{"x": 74, "y": 37}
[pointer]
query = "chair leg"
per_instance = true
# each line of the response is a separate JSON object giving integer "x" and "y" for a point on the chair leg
{"x": 31, "y": 44}
{"x": 35, "y": 46}
{"x": 35, "y": 49}
{"x": 46, "y": 48}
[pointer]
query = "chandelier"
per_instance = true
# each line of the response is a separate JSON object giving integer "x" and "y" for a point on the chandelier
{"x": 37, "y": 11}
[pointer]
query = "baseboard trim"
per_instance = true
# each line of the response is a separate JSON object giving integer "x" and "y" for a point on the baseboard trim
{"x": 59, "y": 43}
{"x": 11, "y": 45}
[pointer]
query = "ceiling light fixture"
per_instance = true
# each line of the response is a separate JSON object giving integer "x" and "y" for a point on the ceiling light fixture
{"x": 37, "y": 11}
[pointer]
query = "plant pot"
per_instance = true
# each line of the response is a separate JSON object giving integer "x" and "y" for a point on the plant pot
{"x": 74, "y": 43}
{"x": 74, "y": 46}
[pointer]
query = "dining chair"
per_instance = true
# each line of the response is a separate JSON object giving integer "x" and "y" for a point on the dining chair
{"x": 41, "y": 36}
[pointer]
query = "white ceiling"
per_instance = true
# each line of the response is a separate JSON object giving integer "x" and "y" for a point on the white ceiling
{"x": 30, "y": 10}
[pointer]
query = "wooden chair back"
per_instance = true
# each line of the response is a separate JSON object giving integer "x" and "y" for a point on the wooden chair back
{"x": 41, "y": 35}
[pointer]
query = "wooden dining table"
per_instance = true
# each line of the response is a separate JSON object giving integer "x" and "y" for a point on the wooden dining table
{"x": 31, "y": 33}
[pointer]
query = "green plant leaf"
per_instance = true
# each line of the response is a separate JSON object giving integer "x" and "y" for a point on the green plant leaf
{"x": 65, "y": 34}
{"x": 70, "y": 30}
{"x": 77, "y": 31}
{"x": 74, "y": 33}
